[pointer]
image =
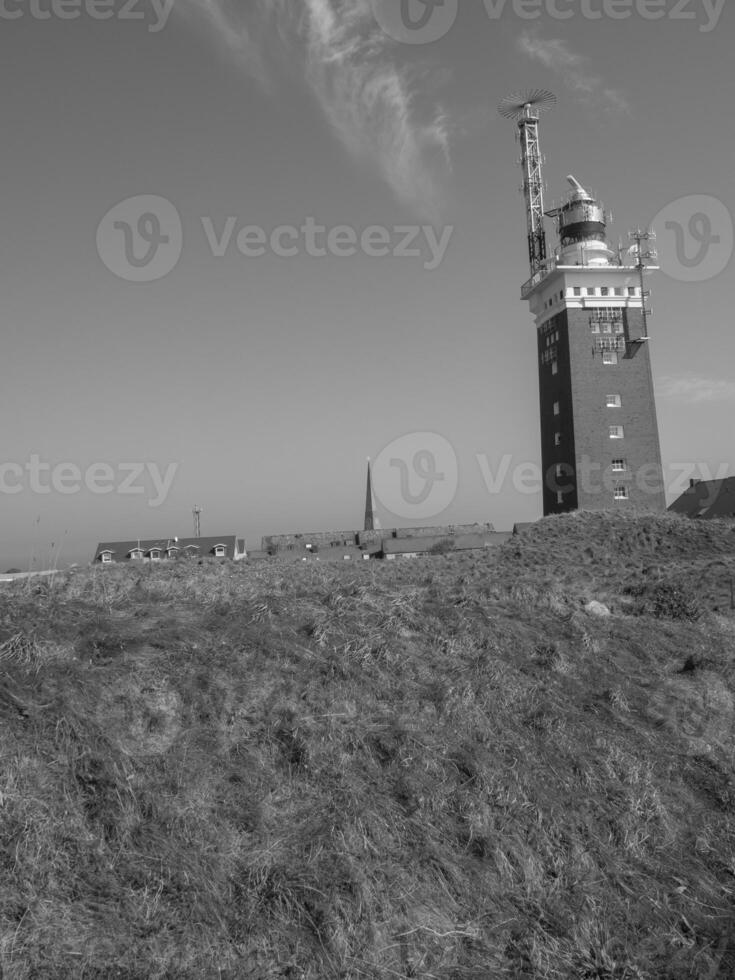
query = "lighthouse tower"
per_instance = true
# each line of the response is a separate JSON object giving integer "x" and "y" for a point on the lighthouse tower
{"x": 599, "y": 435}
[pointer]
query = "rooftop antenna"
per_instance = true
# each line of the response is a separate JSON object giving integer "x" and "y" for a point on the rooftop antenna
{"x": 525, "y": 107}
{"x": 197, "y": 523}
{"x": 643, "y": 254}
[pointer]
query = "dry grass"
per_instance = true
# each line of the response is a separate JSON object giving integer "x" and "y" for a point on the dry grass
{"x": 441, "y": 769}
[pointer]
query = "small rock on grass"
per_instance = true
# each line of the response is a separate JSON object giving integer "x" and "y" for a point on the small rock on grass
{"x": 595, "y": 608}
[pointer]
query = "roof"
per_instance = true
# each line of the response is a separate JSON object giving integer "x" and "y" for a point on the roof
{"x": 708, "y": 499}
{"x": 205, "y": 546}
{"x": 298, "y": 541}
{"x": 458, "y": 542}
{"x": 499, "y": 537}
{"x": 323, "y": 553}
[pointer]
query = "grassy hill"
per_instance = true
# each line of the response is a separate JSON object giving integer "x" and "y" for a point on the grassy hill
{"x": 441, "y": 768}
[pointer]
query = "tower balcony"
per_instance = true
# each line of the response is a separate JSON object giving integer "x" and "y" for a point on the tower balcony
{"x": 588, "y": 264}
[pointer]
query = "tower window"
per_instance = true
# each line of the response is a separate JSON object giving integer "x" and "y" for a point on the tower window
{"x": 556, "y": 408}
{"x": 613, "y": 401}
{"x": 557, "y": 438}
{"x": 620, "y": 493}
{"x": 609, "y": 357}
{"x": 554, "y": 367}
{"x": 616, "y": 432}
{"x": 618, "y": 466}
{"x": 559, "y": 470}
{"x": 560, "y": 497}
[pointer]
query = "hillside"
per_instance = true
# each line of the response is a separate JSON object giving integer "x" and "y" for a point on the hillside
{"x": 441, "y": 768}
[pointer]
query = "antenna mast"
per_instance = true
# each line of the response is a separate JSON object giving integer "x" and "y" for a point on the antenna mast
{"x": 525, "y": 108}
{"x": 197, "y": 525}
{"x": 639, "y": 237}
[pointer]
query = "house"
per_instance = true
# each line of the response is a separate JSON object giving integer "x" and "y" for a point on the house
{"x": 169, "y": 549}
{"x": 375, "y": 542}
{"x": 707, "y": 498}
{"x": 413, "y": 547}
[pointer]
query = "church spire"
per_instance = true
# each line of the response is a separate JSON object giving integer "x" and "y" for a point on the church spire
{"x": 371, "y": 522}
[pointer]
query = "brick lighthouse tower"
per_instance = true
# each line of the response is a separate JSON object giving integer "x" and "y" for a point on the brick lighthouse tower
{"x": 599, "y": 435}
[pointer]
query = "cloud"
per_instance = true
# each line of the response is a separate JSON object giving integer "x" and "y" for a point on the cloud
{"x": 694, "y": 389}
{"x": 233, "y": 34}
{"x": 372, "y": 102}
{"x": 555, "y": 54}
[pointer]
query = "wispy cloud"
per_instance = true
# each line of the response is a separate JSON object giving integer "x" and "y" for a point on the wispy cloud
{"x": 692, "y": 388}
{"x": 232, "y": 32}
{"x": 555, "y": 54}
{"x": 371, "y": 101}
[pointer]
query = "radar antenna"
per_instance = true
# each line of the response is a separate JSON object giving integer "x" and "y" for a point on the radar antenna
{"x": 524, "y": 107}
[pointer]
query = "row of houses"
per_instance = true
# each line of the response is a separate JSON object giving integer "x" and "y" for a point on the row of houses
{"x": 170, "y": 549}
{"x": 703, "y": 499}
{"x": 386, "y": 544}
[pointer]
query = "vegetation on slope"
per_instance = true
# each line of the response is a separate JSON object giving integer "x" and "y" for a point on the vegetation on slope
{"x": 444, "y": 768}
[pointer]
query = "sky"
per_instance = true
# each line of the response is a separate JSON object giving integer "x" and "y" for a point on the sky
{"x": 245, "y": 246}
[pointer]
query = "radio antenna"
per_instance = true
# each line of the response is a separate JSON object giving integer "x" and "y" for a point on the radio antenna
{"x": 525, "y": 107}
